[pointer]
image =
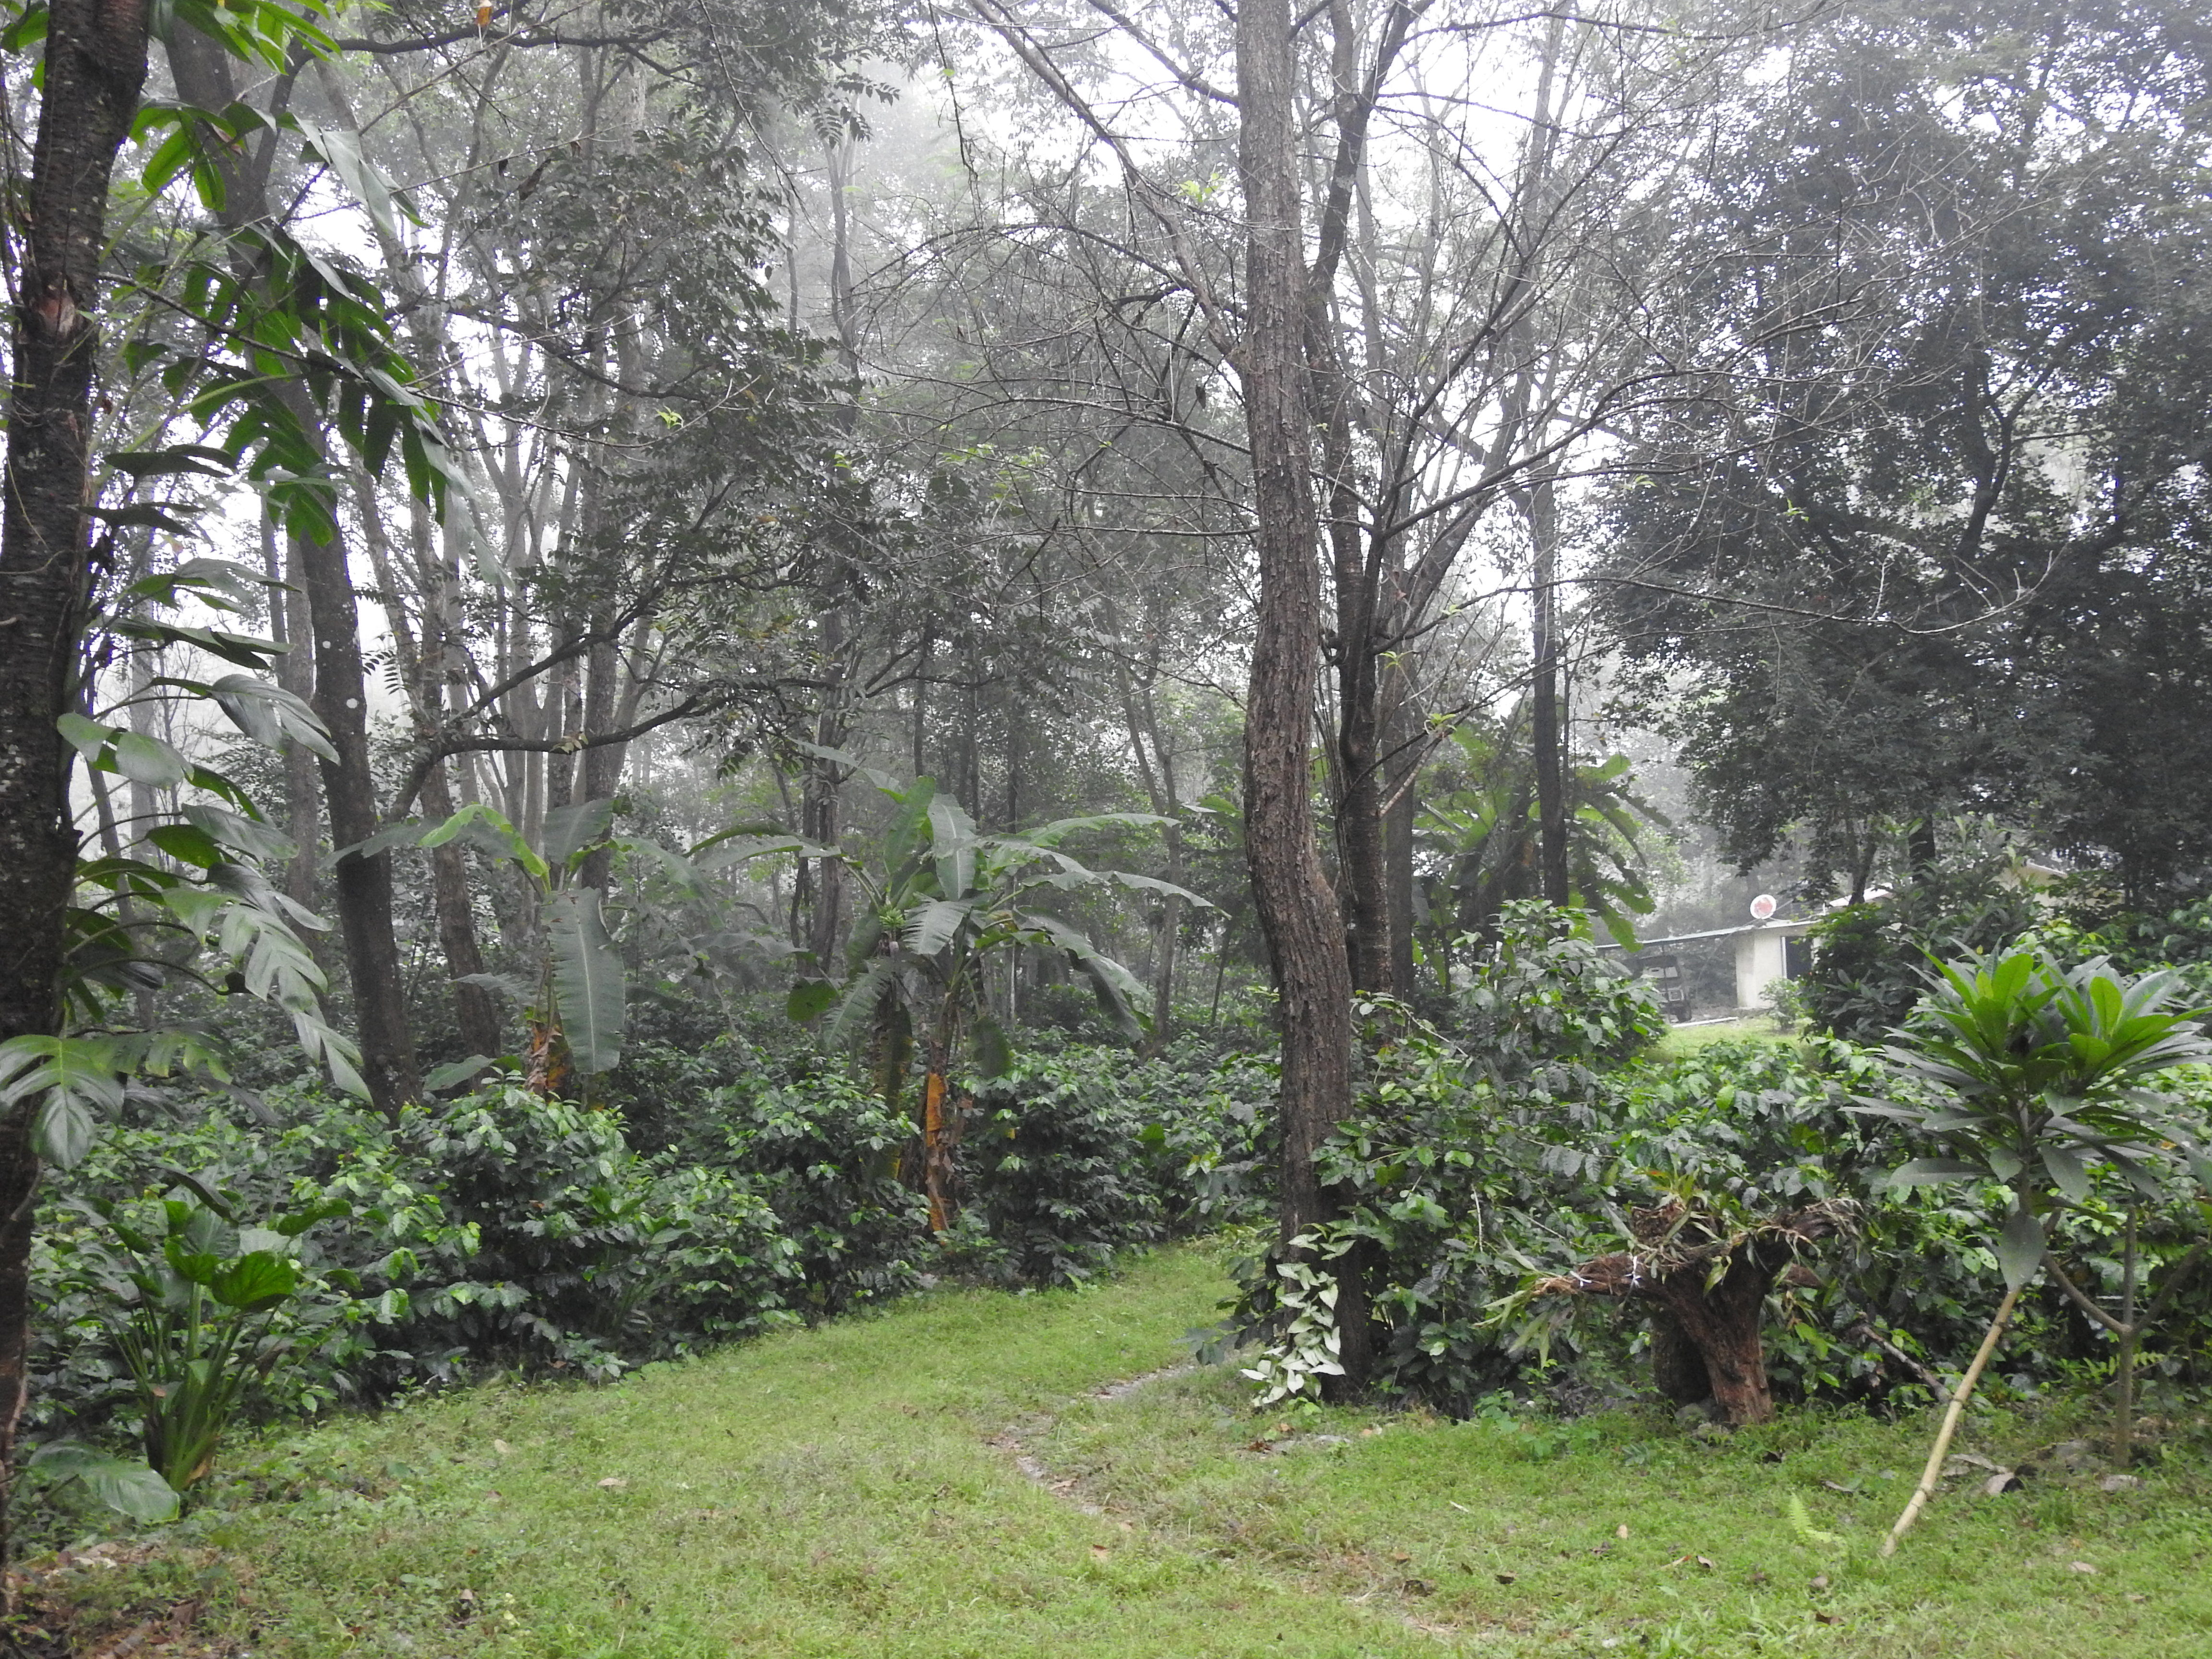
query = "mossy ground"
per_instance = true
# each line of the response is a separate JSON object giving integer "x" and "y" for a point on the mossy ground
{"x": 859, "y": 1489}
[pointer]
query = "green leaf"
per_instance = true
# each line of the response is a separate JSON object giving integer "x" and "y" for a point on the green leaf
{"x": 953, "y": 843}
{"x": 809, "y": 999}
{"x": 76, "y": 1078}
{"x": 2069, "y": 1170}
{"x": 258, "y": 1280}
{"x": 2019, "y": 1248}
{"x": 269, "y": 714}
{"x": 129, "y": 1488}
{"x": 187, "y": 844}
{"x": 935, "y": 925}
{"x": 88, "y": 738}
{"x": 146, "y": 759}
{"x": 1930, "y": 1171}
{"x": 588, "y": 981}
{"x": 482, "y": 828}
{"x": 573, "y": 831}
{"x": 341, "y": 149}
{"x": 454, "y": 1072}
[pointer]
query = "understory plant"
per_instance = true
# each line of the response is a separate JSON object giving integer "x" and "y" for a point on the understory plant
{"x": 193, "y": 1298}
{"x": 2030, "y": 1075}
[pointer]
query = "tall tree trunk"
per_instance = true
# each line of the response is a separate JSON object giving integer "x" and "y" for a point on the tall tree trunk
{"x": 1548, "y": 745}
{"x": 1297, "y": 911}
{"x": 95, "y": 68}
{"x": 1403, "y": 754}
{"x": 363, "y": 885}
{"x": 296, "y": 672}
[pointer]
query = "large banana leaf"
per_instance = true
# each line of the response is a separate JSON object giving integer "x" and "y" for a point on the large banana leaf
{"x": 572, "y": 831}
{"x": 952, "y": 842}
{"x": 588, "y": 981}
{"x": 1115, "y": 986}
{"x": 935, "y": 926}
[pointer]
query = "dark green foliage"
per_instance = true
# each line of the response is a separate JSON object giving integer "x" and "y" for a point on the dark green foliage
{"x": 1544, "y": 1010}
{"x": 824, "y": 1152}
{"x": 1072, "y": 1156}
{"x": 1870, "y": 962}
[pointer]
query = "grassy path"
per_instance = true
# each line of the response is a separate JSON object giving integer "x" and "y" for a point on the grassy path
{"x": 855, "y": 1490}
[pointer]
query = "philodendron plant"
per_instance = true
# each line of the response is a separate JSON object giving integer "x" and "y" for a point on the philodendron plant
{"x": 2030, "y": 1076}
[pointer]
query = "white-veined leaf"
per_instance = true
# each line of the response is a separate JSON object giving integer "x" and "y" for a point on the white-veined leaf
{"x": 934, "y": 927}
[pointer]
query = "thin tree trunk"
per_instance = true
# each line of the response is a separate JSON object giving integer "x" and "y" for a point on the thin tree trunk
{"x": 1297, "y": 911}
{"x": 1403, "y": 806}
{"x": 1549, "y": 749}
{"x": 95, "y": 69}
{"x": 1934, "y": 1471}
{"x": 363, "y": 885}
{"x": 296, "y": 672}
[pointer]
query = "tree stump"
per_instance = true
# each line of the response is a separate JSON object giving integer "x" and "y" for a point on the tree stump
{"x": 1707, "y": 1278}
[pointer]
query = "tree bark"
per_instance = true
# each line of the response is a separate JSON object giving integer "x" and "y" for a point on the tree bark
{"x": 95, "y": 69}
{"x": 1701, "y": 1329}
{"x": 1546, "y": 738}
{"x": 363, "y": 885}
{"x": 1297, "y": 911}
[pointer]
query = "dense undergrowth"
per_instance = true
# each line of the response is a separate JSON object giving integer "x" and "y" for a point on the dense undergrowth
{"x": 727, "y": 1189}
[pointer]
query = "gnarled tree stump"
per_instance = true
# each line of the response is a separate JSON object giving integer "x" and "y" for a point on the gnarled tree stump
{"x": 1707, "y": 1281}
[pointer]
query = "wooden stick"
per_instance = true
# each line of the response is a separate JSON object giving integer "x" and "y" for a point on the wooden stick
{"x": 1934, "y": 1472}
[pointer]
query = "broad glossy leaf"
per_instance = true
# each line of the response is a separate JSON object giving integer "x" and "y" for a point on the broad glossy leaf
{"x": 2068, "y": 1170}
{"x": 257, "y": 1280}
{"x": 125, "y": 1486}
{"x": 144, "y": 759}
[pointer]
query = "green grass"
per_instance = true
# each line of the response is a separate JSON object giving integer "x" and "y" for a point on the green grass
{"x": 1687, "y": 1039}
{"x": 854, "y": 1490}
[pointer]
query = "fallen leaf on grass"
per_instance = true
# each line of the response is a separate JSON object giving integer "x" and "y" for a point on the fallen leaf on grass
{"x": 613, "y": 1482}
{"x": 502, "y": 1447}
{"x": 1621, "y": 1531}
{"x": 1099, "y": 1552}
{"x": 2081, "y": 1566}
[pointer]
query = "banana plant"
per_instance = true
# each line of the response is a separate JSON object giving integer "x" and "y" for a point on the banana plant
{"x": 577, "y": 1012}
{"x": 2033, "y": 1078}
{"x": 943, "y": 902}
{"x": 1488, "y": 832}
